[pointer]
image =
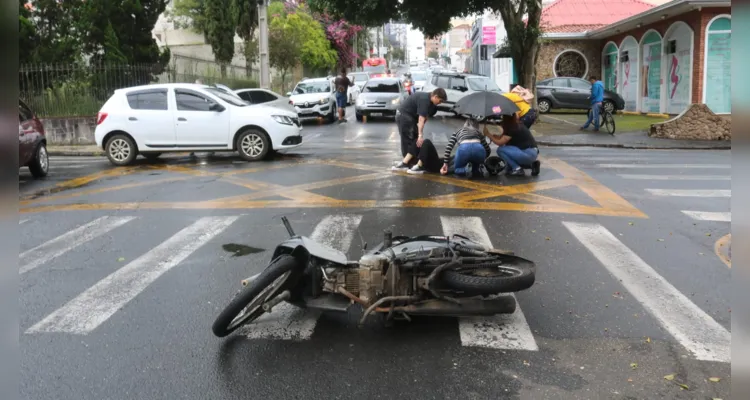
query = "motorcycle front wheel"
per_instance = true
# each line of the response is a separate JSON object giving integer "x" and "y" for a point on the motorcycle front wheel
{"x": 247, "y": 305}
{"x": 490, "y": 281}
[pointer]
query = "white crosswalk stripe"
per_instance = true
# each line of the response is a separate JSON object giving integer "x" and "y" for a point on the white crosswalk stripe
{"x": 685, "y": 321}
{"x": 675, "y": 177}
{"x": 46, "y": 252}
{"x": 91, "y": 308}
{"x": 289, "y": 322}
{"x": 655, "y": 166}
{"x": 510, "y": 332}
{"x": 690, "y": 192}
{"x": 709, "y": 216}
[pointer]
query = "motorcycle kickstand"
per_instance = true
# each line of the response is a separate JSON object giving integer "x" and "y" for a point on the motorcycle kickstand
{"x": 269, "y": 305}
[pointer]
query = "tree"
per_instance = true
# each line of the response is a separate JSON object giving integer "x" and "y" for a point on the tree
{"x": 521, "y": 19}
{"x": 220, "y": 26}
{"x": 246, "y": 13}
{"x": 47, "y": 32}
{"x": 188, "y": 14}
{"x": 294, "y": 37}
{"x": 397, "y": 53}
{"x": 433, "y": 54}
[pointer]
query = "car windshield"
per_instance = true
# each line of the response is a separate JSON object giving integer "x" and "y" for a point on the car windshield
{"x": 419, "y": 76}
{"x": 229, "y": 98}
{"x": 381, "y": 87}
{"x": 312, "y": 87}
{"x": 360, "y": 78}
{"x": 483, "y": 84}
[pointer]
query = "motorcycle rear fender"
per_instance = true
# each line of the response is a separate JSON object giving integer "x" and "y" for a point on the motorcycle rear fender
{"x": 302, "y": 248}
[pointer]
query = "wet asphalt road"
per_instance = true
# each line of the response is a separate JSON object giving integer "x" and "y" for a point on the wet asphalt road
{"x": 629, "y": 286}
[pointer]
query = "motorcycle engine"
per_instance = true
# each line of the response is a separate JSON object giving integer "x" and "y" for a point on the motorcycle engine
{"x": 370, "y": 282}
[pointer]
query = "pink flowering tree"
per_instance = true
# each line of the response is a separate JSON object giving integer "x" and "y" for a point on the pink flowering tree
{"x": 338, "y": 31}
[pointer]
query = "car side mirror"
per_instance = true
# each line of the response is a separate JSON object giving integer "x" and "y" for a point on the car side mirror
{"x": 288, "y": 94}
{"x": 216, "y": 107}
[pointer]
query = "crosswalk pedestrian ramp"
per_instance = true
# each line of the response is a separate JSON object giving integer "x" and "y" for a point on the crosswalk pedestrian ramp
{"x": 88, "y": 311}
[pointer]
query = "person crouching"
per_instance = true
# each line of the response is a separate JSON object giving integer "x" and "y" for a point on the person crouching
{"x": 517, "y": 146}
{"x": 472, "y": 150}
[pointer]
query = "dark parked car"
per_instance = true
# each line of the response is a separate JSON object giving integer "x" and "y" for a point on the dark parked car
{"x": 32, "y": 142}
{"x": 572, "y": 93}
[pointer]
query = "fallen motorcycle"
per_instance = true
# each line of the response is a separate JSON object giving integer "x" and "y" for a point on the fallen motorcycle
{"x": 401, "y": 277}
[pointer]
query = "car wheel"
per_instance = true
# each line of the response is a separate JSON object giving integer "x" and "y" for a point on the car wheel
{"x": 544, "y": 106}
{"x": 121, "y": 150}
{"x": 609, "y": 106}
{"x": 253, "y": 145}
{"x": 332, "y": 116}
{"x": 39, "y": 165}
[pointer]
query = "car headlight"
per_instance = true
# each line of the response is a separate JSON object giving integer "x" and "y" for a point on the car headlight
{"x": 324, "y": 100}
{"x": 360, "y": 101}
{"x": 282, "y": 119}
{"x": 395, "y": 101}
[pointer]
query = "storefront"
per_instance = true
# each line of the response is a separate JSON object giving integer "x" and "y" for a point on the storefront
{"x": 651, "y": 46}
{"x": 609, "y": 67}
{"x": 628, "y": 73}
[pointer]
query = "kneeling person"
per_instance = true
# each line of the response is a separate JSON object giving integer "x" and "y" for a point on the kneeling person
{"x": 472, "y": 150}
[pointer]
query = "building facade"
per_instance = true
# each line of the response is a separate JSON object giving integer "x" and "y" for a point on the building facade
{"x": 660, "y": 58}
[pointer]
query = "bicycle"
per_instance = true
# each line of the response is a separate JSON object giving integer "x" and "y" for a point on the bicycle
{"x": 607, "y": 120}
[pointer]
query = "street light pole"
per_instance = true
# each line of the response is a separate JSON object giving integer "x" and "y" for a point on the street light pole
{"x": 265, "y": 68}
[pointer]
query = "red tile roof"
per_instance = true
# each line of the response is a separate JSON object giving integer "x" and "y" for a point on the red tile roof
{"x": 581, "y": 15}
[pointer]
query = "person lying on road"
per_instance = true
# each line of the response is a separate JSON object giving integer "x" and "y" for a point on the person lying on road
{"x": 472, "y": 150}
{"x": 428, "y": 159}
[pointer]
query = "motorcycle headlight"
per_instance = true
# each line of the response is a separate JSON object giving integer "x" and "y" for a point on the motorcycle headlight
{"x": 282, "y": 119}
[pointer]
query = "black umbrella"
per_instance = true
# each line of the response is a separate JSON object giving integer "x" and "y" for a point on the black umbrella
{"x": 485, "y": 104}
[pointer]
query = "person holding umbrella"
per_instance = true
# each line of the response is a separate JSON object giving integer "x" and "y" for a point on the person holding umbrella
{"x": 517, "y": 145}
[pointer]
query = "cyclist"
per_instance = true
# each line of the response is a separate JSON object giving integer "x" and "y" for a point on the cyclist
{"x": 597, "y": 96}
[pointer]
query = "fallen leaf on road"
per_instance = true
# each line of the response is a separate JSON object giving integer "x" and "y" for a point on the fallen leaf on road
{"x": 714, "y": 379}
{"x": 630, "y": 223}
{"x": 700, "y": 254}
{"x": 634, "y": 365}
{"x": 121, "y": 259}
{"x": 669, "y": 377}
{"x": 708, "y": 234}
{"x": 547, "y": 238}
{"x": 566, "y": 242}
{"x": 533, "y": 231}
{"x": 526, "y": 363}
{"x": 684, "y": 386}
{"x": 648, "y": 340}
{"x": 660, "y": 240}
{"x": 630, "y": 379}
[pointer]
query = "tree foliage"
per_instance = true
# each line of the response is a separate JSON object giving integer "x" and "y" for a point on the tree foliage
{"x": 47, "y": 32}
{"x": 220, "y": 26}
{"x": 188, "y": 14}
{"x": 294, "y": 38}
{"x": 246, "y": 14}
{"x": 433, "y": 21}
{"x": 397, "y": 53}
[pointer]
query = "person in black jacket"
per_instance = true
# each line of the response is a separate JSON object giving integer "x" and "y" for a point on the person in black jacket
{"x": 411, "y": 118}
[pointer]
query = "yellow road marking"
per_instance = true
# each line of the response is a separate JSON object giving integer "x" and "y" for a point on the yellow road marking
{"x": 299, "y": 196}
{"x": 720, "y": 244}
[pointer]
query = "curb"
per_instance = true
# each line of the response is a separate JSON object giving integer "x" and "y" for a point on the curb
{"x": 68, "y": 153}
{"x": 629, "y": 146}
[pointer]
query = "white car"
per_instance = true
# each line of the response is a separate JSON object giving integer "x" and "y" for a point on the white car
{"x": 359, "y": 78}
{"x": 153, "y": 119}
{"x": 266, "y": 97}
{"x": 419, "y": 77}
{"x": 314, "y": 98}
{"x": 458, "y": 85}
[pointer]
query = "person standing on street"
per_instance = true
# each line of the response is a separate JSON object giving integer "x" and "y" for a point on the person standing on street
{"x": 343, "y": 83}
{"x": 597, "y": 97}
{"x": 411, "y": 118}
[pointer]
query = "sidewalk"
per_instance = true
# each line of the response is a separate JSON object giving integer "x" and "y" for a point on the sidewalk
{"x": 566, "y": 133}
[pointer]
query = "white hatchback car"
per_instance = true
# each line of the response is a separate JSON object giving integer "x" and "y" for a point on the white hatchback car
{"x": 153, "y": 119}
{"x": 314, "y": 98}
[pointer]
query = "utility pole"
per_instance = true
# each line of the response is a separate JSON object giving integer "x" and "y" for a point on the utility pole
{"x": 265, "y": 67}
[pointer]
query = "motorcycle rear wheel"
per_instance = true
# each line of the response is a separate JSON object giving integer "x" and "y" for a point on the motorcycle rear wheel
{"x": 246, "y": 306}
{"x": 490, "y": 281}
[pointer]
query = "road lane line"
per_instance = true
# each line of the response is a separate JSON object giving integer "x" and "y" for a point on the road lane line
{"x": 691, "y": 326}
{"x": 681, "y": 166}
{"x": 287, "y": 322}
{"x": 676, "y": 177}
{"x": 98, "y": 303}
{"x": 690, "y": 192}
{"x": 23, "y": 221}
{"x": 60, "y": 245}
{"x": 709, "y": 216}
{"x": 504, "y": 331}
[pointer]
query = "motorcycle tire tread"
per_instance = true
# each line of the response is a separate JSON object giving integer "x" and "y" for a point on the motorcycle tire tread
{"x": 277, "y": 268}
{"x": 488, "y": 285}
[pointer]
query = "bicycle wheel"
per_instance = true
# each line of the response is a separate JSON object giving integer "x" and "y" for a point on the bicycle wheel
{"x": 609, "y": 122}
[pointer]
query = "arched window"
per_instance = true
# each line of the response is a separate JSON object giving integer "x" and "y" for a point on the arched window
{"x": 678, "y": 67}
{"x": 609, "y": 66}
{"x": 651, "y": 53}
{"x": 571, "y": 63}
{"x": 717, "y": 74}
{"x": 627, "y": 73}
